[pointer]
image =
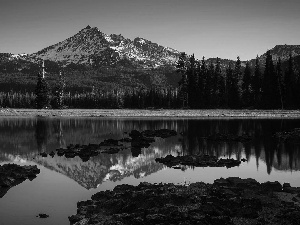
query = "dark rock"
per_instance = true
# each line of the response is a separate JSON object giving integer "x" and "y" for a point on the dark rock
{"x": 135, "y": 134}
{"x": 271, "y": 186}
{"x": 138, "y": 141}
{"x": 43, "y": 154}
{"x": 52, "y": 154}
{"x": 42, "y": 215}
{"x": 286, "y": 185}
{"x": 292, "y": 190}
{"x": 197, "y": 161}
{"x": 198, "y": 203}
{"x": 111, "y": 150}
{"x": 12, "y": 175}
{"x": 108, "y": 142}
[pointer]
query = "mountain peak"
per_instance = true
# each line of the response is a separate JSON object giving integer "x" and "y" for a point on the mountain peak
{"x": 90, "y": 42}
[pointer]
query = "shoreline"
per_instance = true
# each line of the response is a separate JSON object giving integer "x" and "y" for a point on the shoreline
{"x": 150, "y": 113}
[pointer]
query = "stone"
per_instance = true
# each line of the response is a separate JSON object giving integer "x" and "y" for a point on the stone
{"x": 12, "y": 175}
{"x": 197, "y": 161}
{"x": 198, "y": 203}
{"x": 43, "y": 154}
{"x": 42, "y": 215}
{"x": 271, "y": 186}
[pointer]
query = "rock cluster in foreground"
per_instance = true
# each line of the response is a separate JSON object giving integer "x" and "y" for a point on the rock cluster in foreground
{"x": 197, "y": 161}
{"x": 12, "y": 175}
{"x": 226, "y": 201}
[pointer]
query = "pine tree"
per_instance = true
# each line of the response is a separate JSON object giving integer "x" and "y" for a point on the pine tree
{"x": 280, "y": 81}
{"x": 246, "y": 86}
{"x": 256, "y": 83}
{"x": 201, "y": 82}
{"x": 183, "y": 83}
{"x": 289, "y": 83}
{"x": 270, "y": 92}
{"x": 192, "y": 82}
{"x": 228, "y": 81}
{"x": 215, "y": 74}
{"x": 59, "y": 92}
{"x": 220, "y": 87}
{"x": 208, "y": 91}
{"x": 42, "y": 99}
{"x": 233, "y": 91}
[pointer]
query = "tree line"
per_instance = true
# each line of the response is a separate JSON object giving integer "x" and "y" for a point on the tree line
{"x": 96, "y": 99}
{"x": 202, "y": 85}
{"x": 208, "y": 85}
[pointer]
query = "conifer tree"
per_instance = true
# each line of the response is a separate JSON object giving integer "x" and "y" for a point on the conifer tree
{"x": 202, "y": 82}
{"x": 246, "y": 86}
{"x": 42, "y": 99}
{"x": 216, "y": 73}
{"x": 280, "y": 81}
{"x": 289, "y": 83}
{"x": 208, "y": 91}
{"x": 256, "y": 83}
{"x": 233, "y": 91}
{"x": 59, "y": 92}
{"x": 220, "y": 88}
{"x": 183, "y": 83}
{"x": 192, "y": 82}
{"x": 270, "y": 92}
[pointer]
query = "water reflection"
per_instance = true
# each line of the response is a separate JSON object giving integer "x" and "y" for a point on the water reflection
{"x": 22, "y": 140}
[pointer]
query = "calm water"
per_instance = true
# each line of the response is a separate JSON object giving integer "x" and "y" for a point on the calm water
{"x": 63, "y": 182}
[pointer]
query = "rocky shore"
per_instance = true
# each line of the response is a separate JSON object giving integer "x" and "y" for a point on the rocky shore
{"x": 230, "y": 201}
{"x": 12, "y": 175}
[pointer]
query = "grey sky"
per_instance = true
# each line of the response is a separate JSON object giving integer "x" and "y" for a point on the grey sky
{"x": 210, "y": 28}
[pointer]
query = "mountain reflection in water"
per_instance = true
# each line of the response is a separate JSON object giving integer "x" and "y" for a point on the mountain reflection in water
{"x": 23, "y": 140}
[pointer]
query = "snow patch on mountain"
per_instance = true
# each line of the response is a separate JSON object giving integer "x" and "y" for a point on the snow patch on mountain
{"x": 92, "y": 43}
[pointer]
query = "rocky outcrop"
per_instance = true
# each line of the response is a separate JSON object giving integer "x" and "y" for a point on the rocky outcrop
{"x": 12, "y": 175}
{"x": 197, "y": 161}
{"x": 227, "y": 201}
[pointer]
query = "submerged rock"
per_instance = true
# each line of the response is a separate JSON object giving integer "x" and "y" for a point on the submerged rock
{"x": 12, "y": 175}
{"x": 226, "y": 201}
{"x": 197, "y": 161}
{"x": 42, "y": 215}
{"x": 138, "y": 141}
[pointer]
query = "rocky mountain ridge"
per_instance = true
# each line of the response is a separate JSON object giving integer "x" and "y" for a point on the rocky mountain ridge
{"x": 91, "y": 46}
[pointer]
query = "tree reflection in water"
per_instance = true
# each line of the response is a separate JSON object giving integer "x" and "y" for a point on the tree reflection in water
{"x": 27, "y": 137}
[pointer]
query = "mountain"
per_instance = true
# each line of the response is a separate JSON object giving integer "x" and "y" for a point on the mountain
{"x": 92, "y": 58}
{"x": 283, "y": 52}
{"x": 91, "y": 46}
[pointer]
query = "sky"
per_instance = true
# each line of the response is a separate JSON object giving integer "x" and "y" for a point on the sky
{"x": 209, "y": 28}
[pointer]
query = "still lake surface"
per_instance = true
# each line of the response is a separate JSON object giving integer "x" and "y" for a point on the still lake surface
{"x": 63, "y": 182}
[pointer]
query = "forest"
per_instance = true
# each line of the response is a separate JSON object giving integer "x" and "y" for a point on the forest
{"x": 202, "y": 84}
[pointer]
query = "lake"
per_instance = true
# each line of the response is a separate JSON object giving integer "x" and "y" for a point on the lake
{"x": 63, "y": 182}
